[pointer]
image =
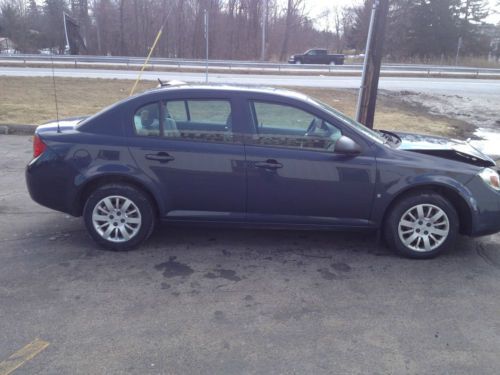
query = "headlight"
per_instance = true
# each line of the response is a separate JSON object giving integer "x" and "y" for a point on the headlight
{"x": 490, "y": 178}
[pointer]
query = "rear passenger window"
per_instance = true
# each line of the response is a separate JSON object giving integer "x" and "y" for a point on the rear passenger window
{"x": 209, "y": 111}
{"x": 176, "y": 110}
{"x": 147, "y": 120}
{"x": 199, "y": 119}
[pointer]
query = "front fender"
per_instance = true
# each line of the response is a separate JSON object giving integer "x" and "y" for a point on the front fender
{"x": 388, "y": 191}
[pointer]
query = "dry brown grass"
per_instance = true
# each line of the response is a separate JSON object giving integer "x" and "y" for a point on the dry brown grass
{"x": 391, "y": 113}
{"x": 31, "y": 101}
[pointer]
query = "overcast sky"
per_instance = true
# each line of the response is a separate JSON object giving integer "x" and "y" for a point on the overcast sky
{"x": 316, "y": 7}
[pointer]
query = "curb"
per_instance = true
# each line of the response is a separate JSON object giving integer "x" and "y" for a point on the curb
{"x": 17, "y": 129}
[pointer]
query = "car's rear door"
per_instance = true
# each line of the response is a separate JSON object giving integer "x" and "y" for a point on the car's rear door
{"x": 296, "y": 178}
{"x": 194, "y": 155}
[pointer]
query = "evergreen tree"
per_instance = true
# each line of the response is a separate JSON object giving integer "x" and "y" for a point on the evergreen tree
{"x": 470, "y": 15}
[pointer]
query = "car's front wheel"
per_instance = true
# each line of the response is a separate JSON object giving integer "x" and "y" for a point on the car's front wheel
{"x": 422, "y": 225}
{"x": 119, "y": 217}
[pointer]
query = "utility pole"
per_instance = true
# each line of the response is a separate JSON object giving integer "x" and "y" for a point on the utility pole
{"x": 264, "y": 26}
{"x": 205, "y": 17}
{"x": 66, "y": 34}
{"x": 459, "y": 46}
{"x": 367, "y": 99}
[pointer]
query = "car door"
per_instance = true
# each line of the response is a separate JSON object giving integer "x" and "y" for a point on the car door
{"x": 294, "y": 175}
{"x": 309, "y": 57}
{"x": 188, "y": 147}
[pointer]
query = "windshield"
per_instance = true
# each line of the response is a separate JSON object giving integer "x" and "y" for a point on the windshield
{"x": 360, "y": 127}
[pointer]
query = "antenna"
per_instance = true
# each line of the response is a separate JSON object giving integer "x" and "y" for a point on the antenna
{"x": 147, "y": 58}
{"x": 150, "y": 52}
{"x": 55, "y": 92}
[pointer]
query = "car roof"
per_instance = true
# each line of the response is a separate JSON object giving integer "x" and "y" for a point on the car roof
{"x": 179, "y": 87}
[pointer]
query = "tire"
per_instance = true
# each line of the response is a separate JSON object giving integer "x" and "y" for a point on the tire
{"x": 421, "y": 225}
{"x": 298, "y": 62}
{"x": 114, "y": 212}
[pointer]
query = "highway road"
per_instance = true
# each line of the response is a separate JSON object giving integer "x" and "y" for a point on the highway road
{"x": 447, "y": 86}
{"x": 106, "y": 62}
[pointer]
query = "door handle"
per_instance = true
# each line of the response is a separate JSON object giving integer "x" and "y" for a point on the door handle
{"x": 162, "y": 157}
{"x": 268, "y": 164}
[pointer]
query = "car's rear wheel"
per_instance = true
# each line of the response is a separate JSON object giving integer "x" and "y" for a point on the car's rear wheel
{"x": 422, "y": 225}
{"x": 119, "y": 217}
{"x": 298, "y": 62}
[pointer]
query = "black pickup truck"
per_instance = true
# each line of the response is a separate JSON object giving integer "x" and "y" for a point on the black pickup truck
{"x": 317, "y": 56}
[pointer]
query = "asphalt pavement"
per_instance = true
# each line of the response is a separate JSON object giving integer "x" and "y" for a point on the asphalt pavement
{"x": 448, "y": 86}
{"x": 220, "y": 301}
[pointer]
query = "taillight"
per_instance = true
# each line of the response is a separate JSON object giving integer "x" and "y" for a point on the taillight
{"x": 38, "y": 146}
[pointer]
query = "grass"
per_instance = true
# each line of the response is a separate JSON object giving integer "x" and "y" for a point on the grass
{"x": 31, "y": 101}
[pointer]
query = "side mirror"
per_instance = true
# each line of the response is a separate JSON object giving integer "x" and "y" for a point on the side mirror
{"x": 347, "y": 146}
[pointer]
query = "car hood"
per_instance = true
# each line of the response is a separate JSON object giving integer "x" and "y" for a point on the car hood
{"x": 444, "y": 147}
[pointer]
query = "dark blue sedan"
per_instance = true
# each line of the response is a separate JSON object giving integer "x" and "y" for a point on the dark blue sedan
{"x": 259, "y": 157}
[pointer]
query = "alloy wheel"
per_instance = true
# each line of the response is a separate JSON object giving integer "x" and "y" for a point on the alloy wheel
{"x": 116, "y": 218}
{"x": 424, "y": 227}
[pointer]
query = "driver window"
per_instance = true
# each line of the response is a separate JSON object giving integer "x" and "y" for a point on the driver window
{"x": 272, "y": 117}
{"x": 287, "y": 126}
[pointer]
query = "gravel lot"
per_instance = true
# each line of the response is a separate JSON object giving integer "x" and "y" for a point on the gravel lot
{"x": 218, "y": 301}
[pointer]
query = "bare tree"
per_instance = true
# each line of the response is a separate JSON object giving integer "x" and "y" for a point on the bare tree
{"x": 129, "y": 27}
{"x": 294, "y": 11}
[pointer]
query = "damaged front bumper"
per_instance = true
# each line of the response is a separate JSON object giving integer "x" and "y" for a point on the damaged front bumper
{"x": 486, "y": 213}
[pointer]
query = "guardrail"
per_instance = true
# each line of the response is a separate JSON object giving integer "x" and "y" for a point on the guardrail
{"x": 233, "y": 64}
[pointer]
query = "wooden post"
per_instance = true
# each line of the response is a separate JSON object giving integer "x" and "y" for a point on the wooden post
{"x": 369, "y": 85}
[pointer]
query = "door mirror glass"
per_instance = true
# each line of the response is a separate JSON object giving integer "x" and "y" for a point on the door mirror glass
{"x": 347, "y": 146}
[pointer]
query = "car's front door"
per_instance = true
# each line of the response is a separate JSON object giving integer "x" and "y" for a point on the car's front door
{"x": 294, "y": 175}
{"x": 189, "y": 148}
{"x": 309, "y": 57}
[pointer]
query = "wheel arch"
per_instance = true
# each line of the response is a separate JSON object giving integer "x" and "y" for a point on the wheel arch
{"x": 102, "y": 180}
{"x": 456, "y": 198}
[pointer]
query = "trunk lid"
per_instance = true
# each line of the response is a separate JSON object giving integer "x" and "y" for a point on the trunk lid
{"x": 64, "y": 125}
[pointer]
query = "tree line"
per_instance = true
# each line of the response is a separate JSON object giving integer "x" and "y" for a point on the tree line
{"x": 415, "y": 28}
